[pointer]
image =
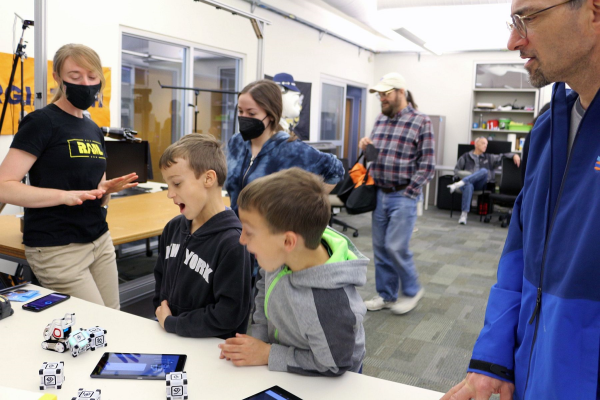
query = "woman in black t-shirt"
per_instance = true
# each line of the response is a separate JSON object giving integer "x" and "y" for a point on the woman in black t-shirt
{"x": 67, "y": 243}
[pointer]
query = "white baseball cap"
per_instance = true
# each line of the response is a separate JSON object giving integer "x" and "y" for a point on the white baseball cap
{"x": 390, "y": 81}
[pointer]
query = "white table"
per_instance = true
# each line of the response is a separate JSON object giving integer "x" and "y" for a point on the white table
{"x": 208, "y": 376}
{"x": 7, "y": 393}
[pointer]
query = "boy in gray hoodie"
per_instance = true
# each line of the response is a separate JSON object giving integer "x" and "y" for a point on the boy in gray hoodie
{"x": 309, "y": 316}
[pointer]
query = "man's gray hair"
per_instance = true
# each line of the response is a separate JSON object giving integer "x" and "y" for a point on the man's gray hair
{"x": 479, "y": 138}
{"x": 575, "y": 4}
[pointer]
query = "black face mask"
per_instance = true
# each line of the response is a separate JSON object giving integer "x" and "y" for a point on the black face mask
{"x": 82, "y": 96}
{"x": 251, "y": 128}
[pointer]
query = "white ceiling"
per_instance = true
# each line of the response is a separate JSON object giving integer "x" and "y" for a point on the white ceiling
{"x": 382, "y": 4}
{"x": 445, "y": 25}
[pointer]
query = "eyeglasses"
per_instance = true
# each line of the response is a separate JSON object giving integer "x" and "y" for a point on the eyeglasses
{"x": 379, "y": 95}
{"x": 518, "y": 21}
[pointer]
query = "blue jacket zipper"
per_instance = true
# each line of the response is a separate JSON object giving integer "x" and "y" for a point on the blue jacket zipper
{"x": 538, "y": 300}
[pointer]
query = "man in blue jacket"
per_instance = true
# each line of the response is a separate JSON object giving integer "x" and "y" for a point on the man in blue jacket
{"x": 541, "y": 338}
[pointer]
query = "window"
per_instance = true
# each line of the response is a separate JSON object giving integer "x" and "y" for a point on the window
{"x": 216, "y": 111}
{"x": 158, "y": 114}
{"x": 155, "y": 113}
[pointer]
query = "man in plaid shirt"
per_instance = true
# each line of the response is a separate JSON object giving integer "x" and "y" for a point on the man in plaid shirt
{"x": 404, "y": 138}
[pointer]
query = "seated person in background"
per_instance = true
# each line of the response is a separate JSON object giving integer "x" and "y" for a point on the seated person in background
{"x": 481, "y": 166}
{"x": 202, "y": 273}
{"x": 309, "y": 315}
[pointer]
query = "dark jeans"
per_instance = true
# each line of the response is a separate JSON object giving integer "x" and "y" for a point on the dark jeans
{"x": 475, "y": 181}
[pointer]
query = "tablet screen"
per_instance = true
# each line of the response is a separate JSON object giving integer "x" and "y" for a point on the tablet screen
{"x": 138, "y": 366}
{"x": 273, "y": 393}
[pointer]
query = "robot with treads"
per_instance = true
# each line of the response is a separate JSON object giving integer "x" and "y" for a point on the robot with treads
{"x": 56, "y": 333}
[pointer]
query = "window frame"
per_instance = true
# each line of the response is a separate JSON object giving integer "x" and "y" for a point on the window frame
{"x": 188, "y": 70}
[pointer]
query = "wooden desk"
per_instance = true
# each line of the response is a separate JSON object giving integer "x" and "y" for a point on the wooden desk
{"x": 11, "y": 248}
{"x": 129, "y": 219}
{"x": 208, "y": 376}
{"x": 139, "y": 217}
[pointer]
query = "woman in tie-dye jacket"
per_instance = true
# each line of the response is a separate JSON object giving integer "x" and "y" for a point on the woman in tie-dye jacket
{"x": 262, "y": 147}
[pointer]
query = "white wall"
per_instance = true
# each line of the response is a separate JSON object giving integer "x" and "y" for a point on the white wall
{"x": 442, "y": 85}
{"x": 296, "y": 49}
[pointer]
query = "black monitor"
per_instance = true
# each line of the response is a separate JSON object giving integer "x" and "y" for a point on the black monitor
{"x": 498, "y": 147}
{"x": 464, "y": 148}
{"x": 124, "y": 157}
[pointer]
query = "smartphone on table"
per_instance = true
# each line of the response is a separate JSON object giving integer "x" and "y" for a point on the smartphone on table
{"x": 45, "y": 302}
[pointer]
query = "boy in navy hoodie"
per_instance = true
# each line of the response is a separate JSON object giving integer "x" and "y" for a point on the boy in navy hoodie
{"x": 202, "y": 273}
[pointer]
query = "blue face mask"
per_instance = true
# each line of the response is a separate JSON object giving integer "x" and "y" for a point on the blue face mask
{"x": 82, "y": 96}
{"x": 251, "y": 128}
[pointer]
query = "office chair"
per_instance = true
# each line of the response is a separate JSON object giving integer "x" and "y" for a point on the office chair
{"x": 510, "y": 186}
{"x": 489, "y": 188}
{"x": 336, "y": 203}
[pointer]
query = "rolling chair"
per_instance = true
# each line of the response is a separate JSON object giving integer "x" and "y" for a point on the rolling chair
{"x": 489, "y": 187}
{"x": 336, "y": 203}
{"x": 510, "y": 186}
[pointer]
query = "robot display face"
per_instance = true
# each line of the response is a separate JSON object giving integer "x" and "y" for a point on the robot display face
{"x": 291, "y": 104}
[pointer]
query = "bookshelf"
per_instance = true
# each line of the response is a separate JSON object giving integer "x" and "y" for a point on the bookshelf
{"x": 502, "y": 84}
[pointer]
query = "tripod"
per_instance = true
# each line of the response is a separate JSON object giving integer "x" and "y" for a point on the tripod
{"x": 19, "y": 54}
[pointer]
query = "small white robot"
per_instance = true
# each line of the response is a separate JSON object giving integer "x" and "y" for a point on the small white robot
{"x": 52, "y": 375}
{"x": 79, "y": 341}
{"x": 87, "y": 394}
{"x": 56, "y": 334}
{"x": 97, "y": 335}
{"x": 176, "y": 386}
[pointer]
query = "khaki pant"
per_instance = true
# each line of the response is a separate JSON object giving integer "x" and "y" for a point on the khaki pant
{"x": 84, "y": 270}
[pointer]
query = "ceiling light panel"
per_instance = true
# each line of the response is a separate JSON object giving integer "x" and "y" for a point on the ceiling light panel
{"x": 453, "y": 28}
{"x": 384, "y": 4}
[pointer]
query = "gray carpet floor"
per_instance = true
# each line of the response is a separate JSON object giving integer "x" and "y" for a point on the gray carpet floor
{"x": 429, "y": 347}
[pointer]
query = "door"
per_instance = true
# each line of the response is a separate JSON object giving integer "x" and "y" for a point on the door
{"x": 354, "y": 120}
{"x": 348, "y": 125}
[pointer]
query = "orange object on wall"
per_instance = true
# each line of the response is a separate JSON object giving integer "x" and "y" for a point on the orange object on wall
{"x": 100, "y": 111}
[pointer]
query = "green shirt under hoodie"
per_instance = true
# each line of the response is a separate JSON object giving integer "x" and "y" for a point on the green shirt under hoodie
{"x": 314, "y": 318}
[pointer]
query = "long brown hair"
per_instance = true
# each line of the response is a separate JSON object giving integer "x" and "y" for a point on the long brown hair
{"x": 267, "y": 95}
{"x": 411, "y": 100}
{"x": 83, "y": 56}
